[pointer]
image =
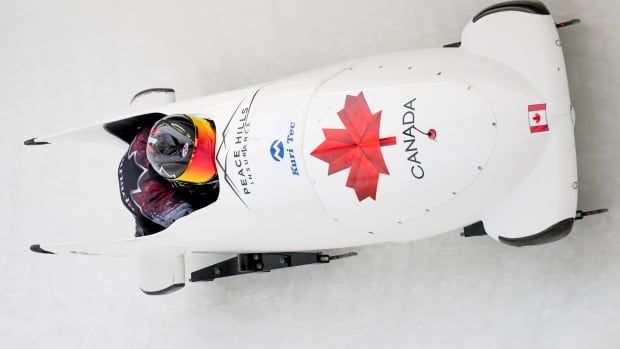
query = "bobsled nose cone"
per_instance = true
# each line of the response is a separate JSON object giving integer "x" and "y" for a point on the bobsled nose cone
{"x": 37, "y": 248}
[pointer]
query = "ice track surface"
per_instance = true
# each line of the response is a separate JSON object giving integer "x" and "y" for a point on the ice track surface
{"x": 69, "y": 63}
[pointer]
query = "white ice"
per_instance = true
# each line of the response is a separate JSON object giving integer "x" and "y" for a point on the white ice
{"x": 67, "y": 63}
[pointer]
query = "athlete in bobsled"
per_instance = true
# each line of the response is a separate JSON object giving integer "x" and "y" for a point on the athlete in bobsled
{"x": 169, "y": 172}
{"x": 477, "y": 137}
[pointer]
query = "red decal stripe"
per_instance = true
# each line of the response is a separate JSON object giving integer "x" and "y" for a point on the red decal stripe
{"x": 541, "y": 128}
{"x": 536, "y": 107}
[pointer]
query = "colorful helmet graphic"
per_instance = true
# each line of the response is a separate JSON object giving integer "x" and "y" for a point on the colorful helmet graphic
{"x": 182, "y": 148}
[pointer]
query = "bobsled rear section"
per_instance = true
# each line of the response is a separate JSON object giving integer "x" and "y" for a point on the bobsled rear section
{"x": 480, "y": 136}
{"x": 542, "y": 202}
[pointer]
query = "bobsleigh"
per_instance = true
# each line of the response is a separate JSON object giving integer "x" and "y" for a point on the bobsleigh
{"x": 475, "y": 136}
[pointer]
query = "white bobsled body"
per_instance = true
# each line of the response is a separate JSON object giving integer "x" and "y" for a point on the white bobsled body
{"x": 481, "y": 133}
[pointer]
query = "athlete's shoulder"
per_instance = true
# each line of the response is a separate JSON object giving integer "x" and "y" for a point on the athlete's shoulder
{"x": 140, "y": 139}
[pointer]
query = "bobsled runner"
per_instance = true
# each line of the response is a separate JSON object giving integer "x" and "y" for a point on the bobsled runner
{"x": 476, "y": 136}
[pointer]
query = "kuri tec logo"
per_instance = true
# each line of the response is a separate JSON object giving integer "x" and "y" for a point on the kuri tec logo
{"x": 357, "y": 146}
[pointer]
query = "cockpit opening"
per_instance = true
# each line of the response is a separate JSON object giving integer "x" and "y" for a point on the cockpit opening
{"x": 169, "y": 170}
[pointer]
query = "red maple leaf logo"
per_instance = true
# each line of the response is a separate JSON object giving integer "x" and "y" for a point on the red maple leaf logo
{"x": 358, "y": 147}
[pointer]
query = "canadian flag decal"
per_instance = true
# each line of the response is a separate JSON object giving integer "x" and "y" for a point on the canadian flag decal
{"x": 537, "y": 116}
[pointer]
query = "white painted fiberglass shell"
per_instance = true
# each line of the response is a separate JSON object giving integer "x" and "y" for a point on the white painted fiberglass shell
{"x": 484, "y": 165}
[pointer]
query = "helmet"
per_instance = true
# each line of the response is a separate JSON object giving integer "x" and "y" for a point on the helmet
{"x": 181, "y": 148}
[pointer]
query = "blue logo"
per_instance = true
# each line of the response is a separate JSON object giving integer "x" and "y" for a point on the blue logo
{"x": 280, "y": 149}
{"x": 277, "y": 150}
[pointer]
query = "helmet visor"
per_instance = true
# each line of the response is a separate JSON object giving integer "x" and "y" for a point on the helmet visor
{"x": 201, "y": 167}
{"x": 170, "y": 146}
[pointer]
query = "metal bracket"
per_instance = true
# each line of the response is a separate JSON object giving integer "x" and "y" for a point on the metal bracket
{"x": 580, "y": 214}
{"x": 33, "y": 141}
{"x": 476, "y": 229}
{"x": 568, "y": 23}
{"x": 261, "y": 262}
{"x": 453, "y": 44}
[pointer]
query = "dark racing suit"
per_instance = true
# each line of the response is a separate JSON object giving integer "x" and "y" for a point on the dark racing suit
{"x": 154, "y": 202}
